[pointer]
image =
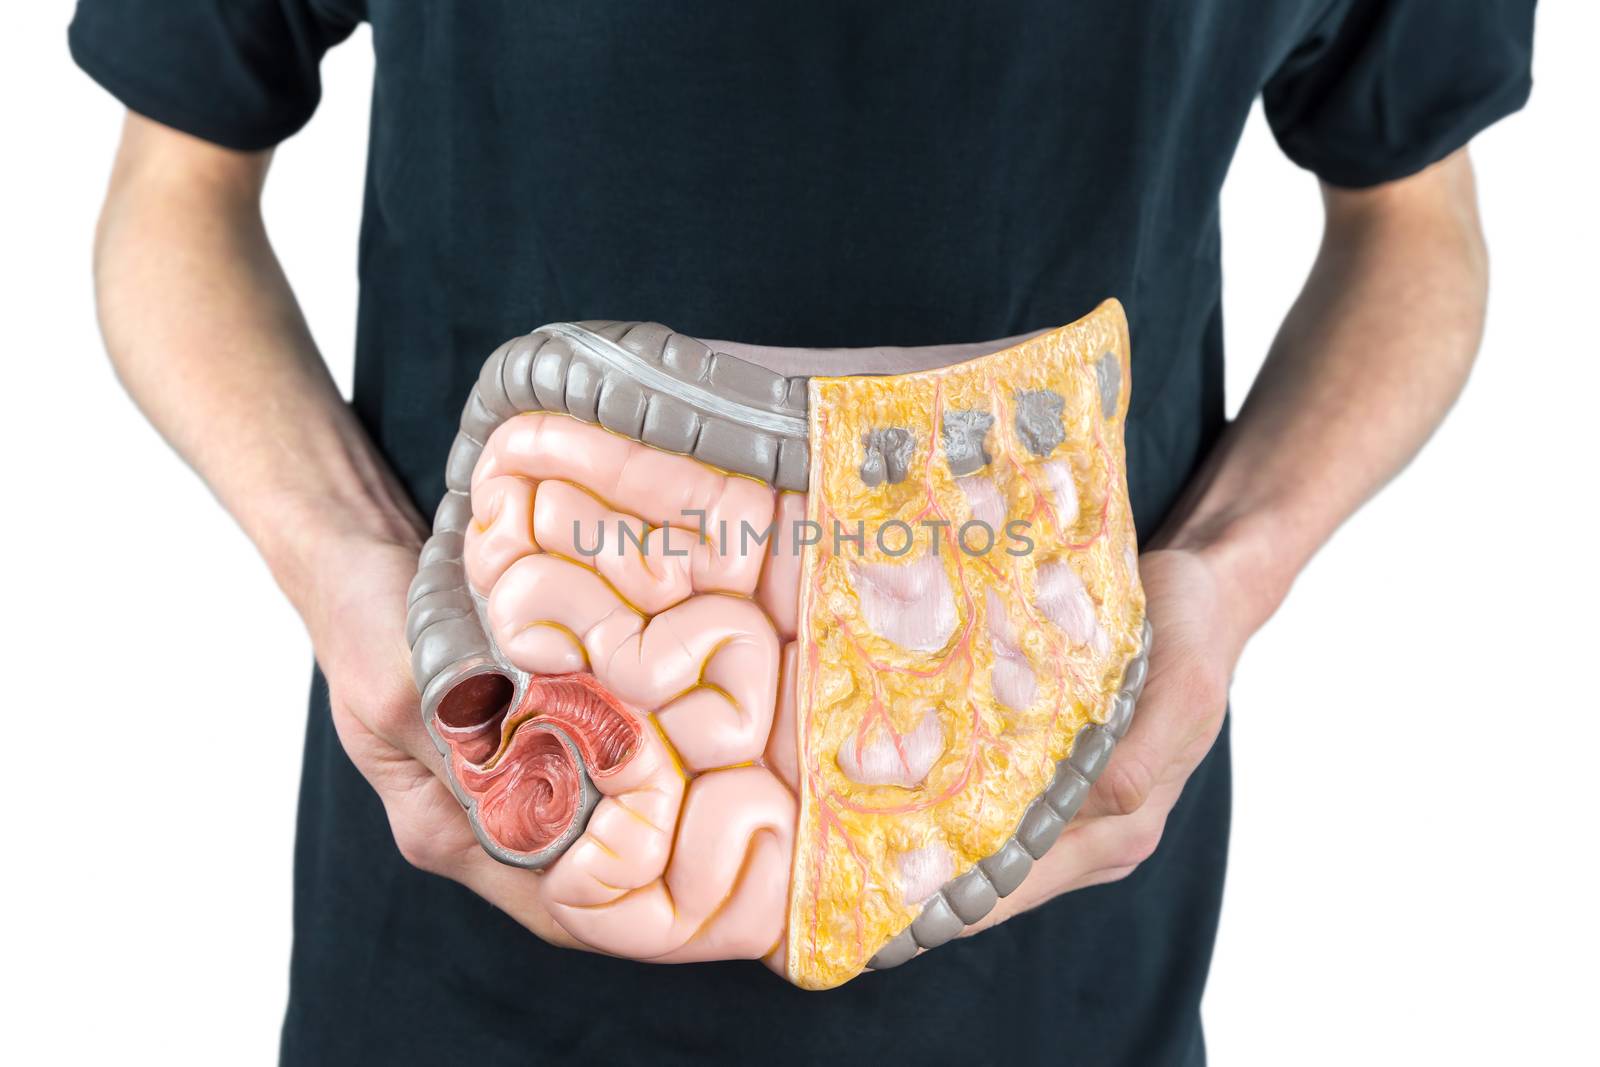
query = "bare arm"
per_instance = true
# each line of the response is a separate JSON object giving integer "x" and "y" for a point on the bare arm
{"x": 1363, "y": 370}
{"x": 205, "y": 334}
{"x": 1375, "y": 350}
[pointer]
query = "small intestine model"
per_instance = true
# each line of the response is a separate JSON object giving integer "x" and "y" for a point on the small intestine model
{"x": 803, "y": 670}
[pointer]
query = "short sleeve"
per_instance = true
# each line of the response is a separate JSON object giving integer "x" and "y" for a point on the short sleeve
{"x": 1384, "y": 88}
{"x": 240, "y": 73}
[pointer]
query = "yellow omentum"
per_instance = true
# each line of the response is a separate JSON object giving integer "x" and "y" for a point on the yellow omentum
{"x": 848, "y": 896}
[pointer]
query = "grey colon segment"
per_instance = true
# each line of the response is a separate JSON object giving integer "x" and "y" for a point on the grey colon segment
{"x": 646, "y": 382}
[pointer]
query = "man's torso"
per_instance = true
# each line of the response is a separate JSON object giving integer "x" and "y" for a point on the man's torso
{"x": 820, "y": 175}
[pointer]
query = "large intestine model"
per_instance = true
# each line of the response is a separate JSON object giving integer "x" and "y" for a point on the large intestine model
{"x": 804, "y": 670}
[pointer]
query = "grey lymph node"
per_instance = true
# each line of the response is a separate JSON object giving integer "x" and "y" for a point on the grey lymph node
{"x": 888, "y": 455}
{"x": 1039, "y": 420}
{"x": 964, "y": 432}
{"x": 1108, "y": 374}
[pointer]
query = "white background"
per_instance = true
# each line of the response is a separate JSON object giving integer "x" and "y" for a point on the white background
{"x": 1428, "y": 899}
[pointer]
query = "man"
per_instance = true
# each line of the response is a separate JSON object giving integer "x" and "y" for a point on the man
{"x": 826, "y": 174}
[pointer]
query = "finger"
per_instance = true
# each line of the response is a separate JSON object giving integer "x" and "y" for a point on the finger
{"x": 432, "y": 832}
{"x": 377, "y": 691}
{"x": 1105, "y": 849}
{"x": 1174, "y": 724}
{"x": 1089, "y": 852}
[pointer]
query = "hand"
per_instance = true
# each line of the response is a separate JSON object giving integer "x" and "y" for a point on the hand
{"x": 1197, "y": 642}
{"x": 357, "y": 621}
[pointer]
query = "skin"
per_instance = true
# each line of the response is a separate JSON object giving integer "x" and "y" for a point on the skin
{"x": 203, "y": 329}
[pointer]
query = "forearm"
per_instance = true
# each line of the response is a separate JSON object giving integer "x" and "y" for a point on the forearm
{"x": 205, "y": 333}
{"x": 1375, "y": 350}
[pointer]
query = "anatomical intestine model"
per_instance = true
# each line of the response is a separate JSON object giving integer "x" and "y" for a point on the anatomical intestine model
{"x": 802, "y": 670}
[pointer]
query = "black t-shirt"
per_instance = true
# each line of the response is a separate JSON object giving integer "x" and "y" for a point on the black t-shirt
{"x": 831, "y": 173}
